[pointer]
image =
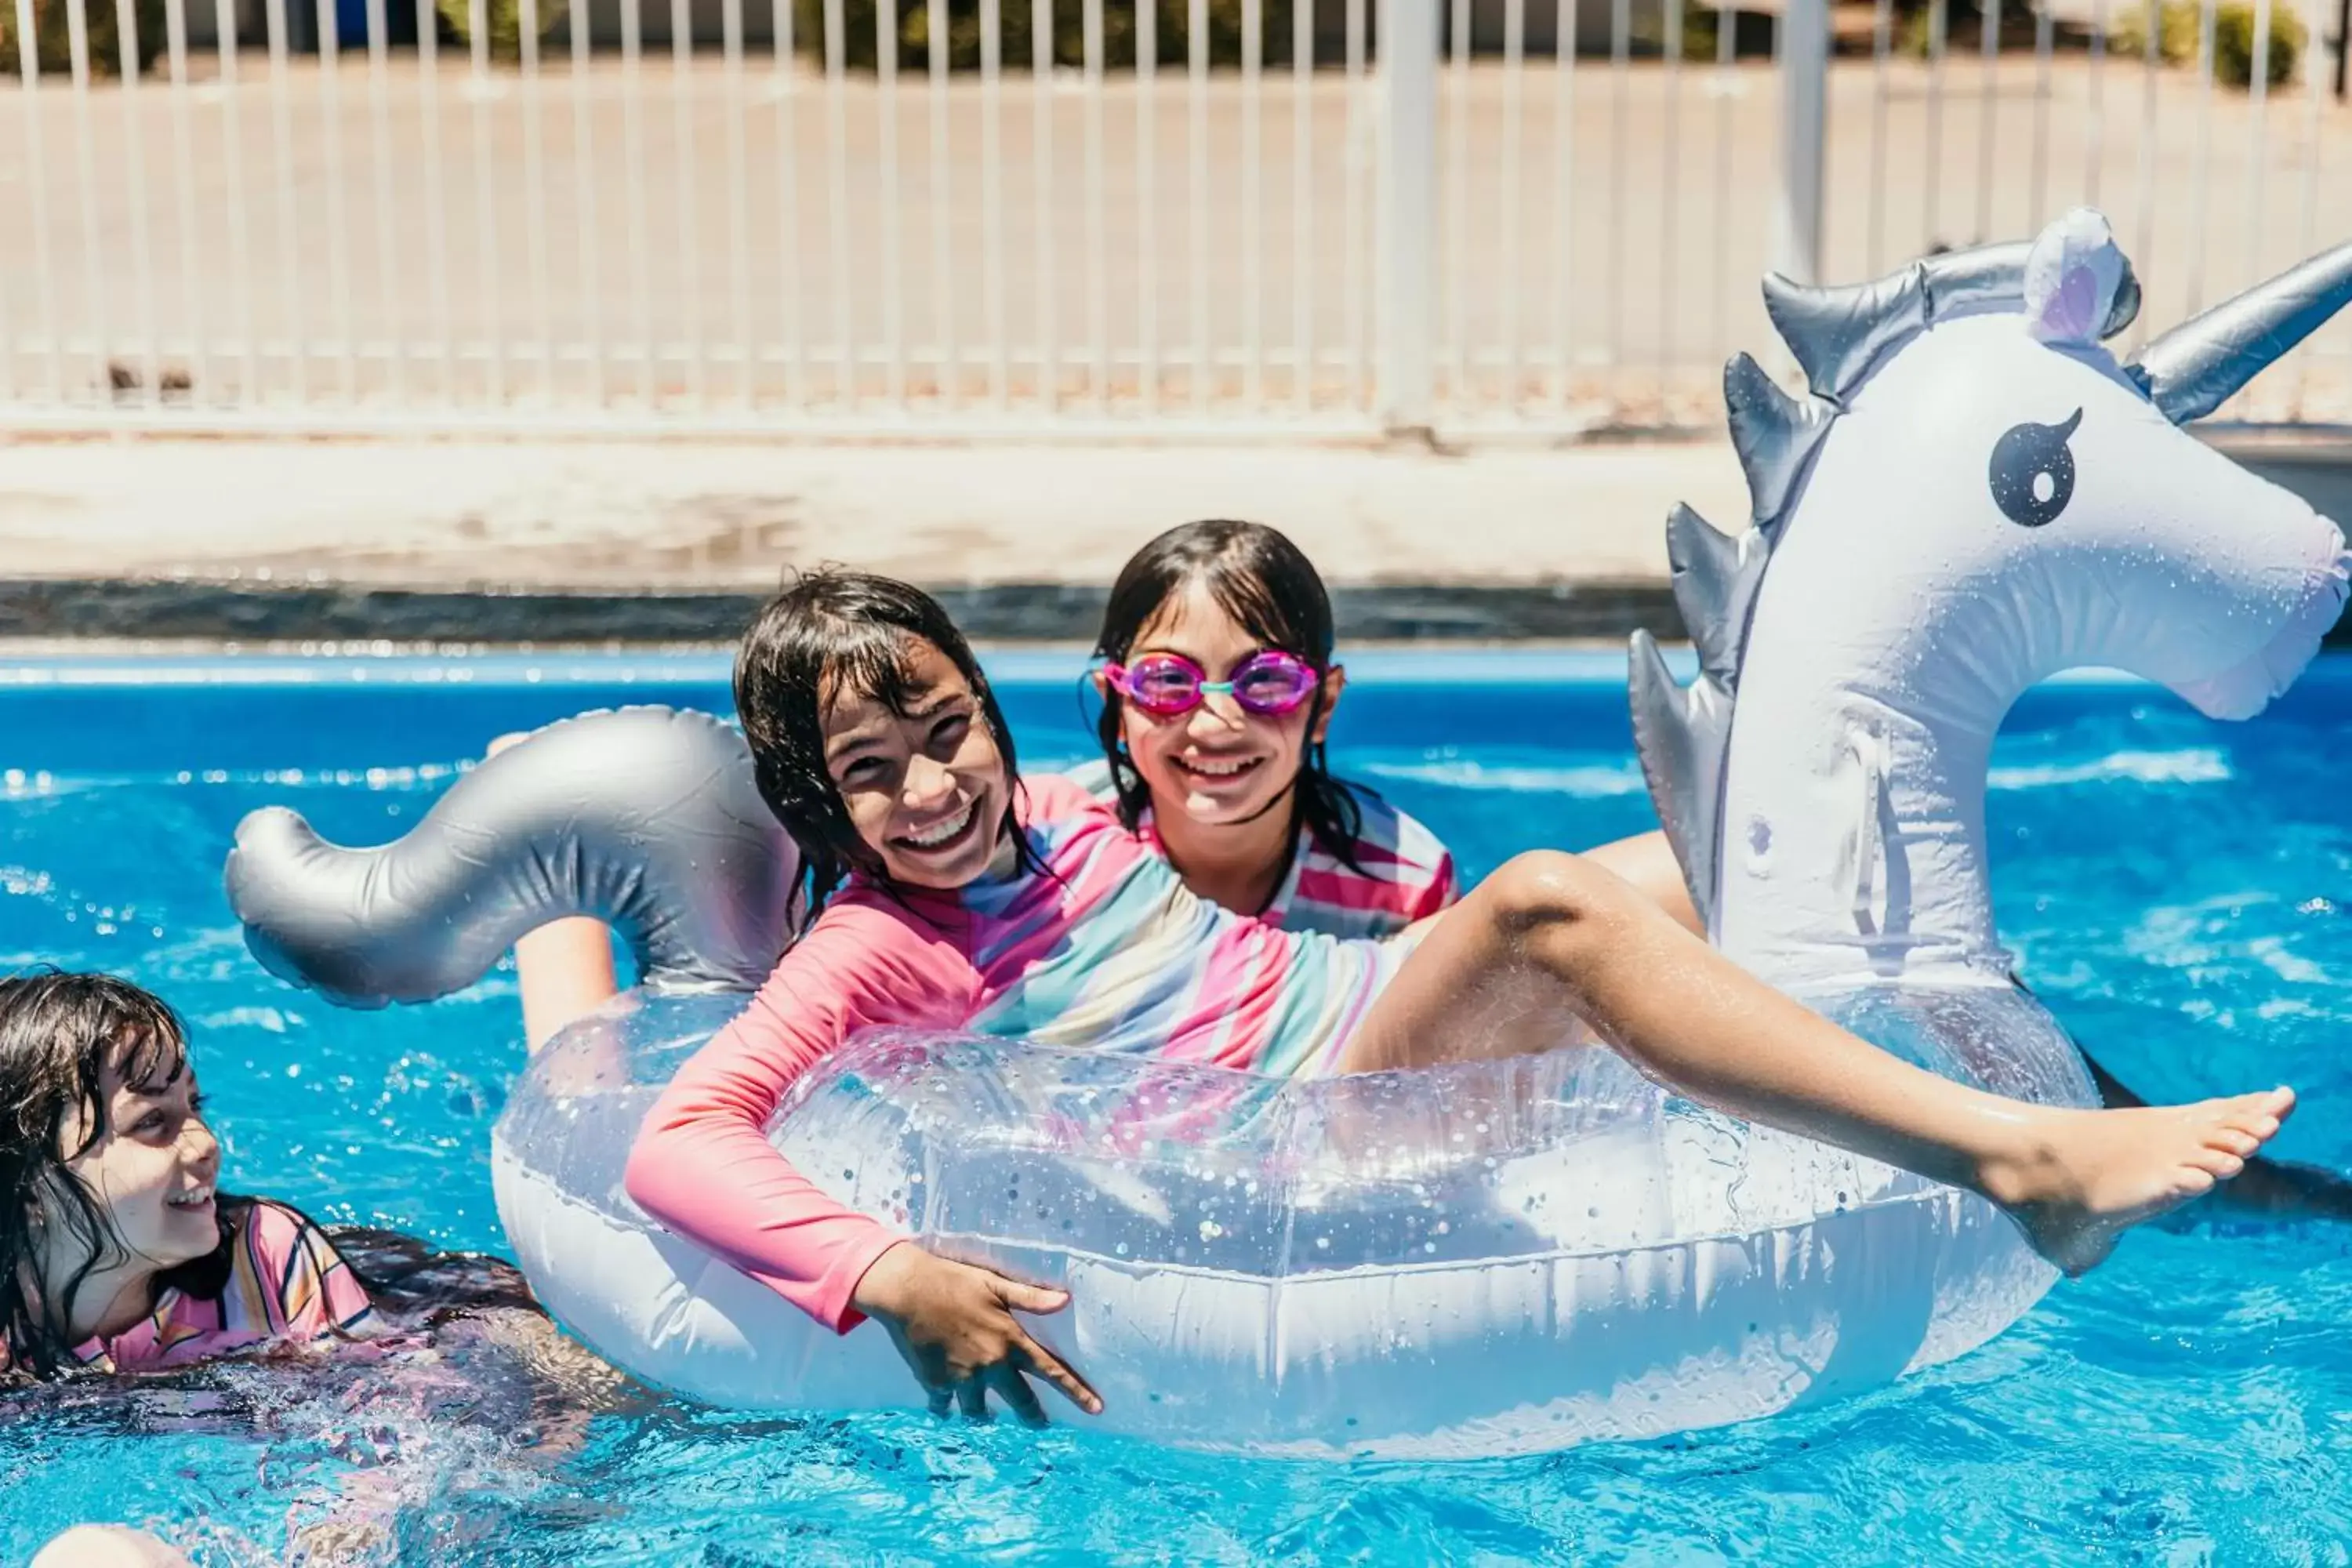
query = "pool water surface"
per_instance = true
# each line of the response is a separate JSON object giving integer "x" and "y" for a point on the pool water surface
{"x": 2179, "y": 890}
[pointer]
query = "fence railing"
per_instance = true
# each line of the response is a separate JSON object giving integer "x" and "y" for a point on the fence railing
{"x": 1213, "y": 216}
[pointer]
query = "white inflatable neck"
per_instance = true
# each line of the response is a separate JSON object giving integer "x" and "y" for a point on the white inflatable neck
{"x": 1852, "y": 827}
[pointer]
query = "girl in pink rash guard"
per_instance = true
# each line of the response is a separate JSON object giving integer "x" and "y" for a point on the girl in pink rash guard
{"x": 955, "y": 895}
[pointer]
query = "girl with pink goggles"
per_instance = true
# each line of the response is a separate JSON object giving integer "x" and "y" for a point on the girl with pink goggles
{"x": 1268, "y": 683}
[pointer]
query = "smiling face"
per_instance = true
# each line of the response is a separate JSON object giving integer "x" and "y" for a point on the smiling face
{"x": 1219, "y": 764}
{"x": 152, "y": 1164}
{"x": 923, "y": 781}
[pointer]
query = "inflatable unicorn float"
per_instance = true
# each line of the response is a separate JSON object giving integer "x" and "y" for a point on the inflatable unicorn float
{"x": 1476, "y": 1259}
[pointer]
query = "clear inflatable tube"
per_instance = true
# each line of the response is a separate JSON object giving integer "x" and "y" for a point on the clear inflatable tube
{"x": 1483, "y": 1260}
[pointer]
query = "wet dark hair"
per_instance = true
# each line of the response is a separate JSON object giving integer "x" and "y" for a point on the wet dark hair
{"x": 60, "y": 1033}
{"x": 829, "y": 633}
{"x": 1267, "y": 585}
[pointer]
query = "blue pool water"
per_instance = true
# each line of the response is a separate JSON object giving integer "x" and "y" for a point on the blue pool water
{"x": 2181, "y": 891}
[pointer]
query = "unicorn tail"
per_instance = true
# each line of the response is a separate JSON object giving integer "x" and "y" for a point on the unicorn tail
{"x": 645, "y": 818}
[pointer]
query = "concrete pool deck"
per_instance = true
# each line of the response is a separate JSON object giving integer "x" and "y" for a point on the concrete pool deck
{"x": 652, "y": 542}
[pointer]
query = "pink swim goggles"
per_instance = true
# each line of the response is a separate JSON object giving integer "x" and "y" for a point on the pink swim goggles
{"x": 1167, "y": 685}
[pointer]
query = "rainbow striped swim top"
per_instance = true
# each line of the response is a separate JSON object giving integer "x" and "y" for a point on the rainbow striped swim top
{"x": 1107, "y": 949}
{"x": 285, "y": 1281}
{"x": 1396, "y": 871}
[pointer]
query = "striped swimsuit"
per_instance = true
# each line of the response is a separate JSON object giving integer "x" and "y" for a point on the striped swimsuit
{"x": 1402, "y": 872}
{"x": 286, "y": 1282}
{"x": 1110, "y": 951}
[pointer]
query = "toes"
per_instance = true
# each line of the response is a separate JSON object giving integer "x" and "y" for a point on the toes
{"x": 2265, "y": 1109}
{"x": 2216, "y": 1163}
{"x": 2237, "y": 1141}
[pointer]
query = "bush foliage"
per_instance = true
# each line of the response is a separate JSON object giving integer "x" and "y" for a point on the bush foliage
{"x": 505, "y": 18}
{"x": 52, "y": 37}
{"x": 2180, "y": 22}
{"x": 1172, "y": 42}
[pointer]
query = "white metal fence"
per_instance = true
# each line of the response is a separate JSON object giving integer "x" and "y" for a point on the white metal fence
{"x": 1477, "y": 215}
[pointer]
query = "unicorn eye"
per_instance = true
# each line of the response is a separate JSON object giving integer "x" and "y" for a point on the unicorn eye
{"x": 2033, "y": 472}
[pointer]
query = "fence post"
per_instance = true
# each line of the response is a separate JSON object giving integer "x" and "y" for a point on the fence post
{"x": 1804, "y": 125}
{"x": 1407, "y": 41}
{"x": 2343, "y": 46}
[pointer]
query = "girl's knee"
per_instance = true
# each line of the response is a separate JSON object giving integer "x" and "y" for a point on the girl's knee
{"x": 1545, "y": 889}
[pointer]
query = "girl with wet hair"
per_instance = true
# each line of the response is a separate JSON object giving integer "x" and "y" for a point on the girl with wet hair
{"x": 1219, "y": 681}
{"x": 117, "y": 1250}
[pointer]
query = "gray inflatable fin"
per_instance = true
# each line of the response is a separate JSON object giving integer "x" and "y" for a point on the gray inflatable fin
{"x": 645, "y": 818}
{"x": 1681, "y": 734}
{"x": 1774, "y": 433}
{"x": 1715, "y": 576}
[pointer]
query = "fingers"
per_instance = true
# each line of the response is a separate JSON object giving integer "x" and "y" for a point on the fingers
{"x": 1026, "y": 1298}
{"x": 941, "y": 1401}
{"x": 972, "y": 1395}
{"x": 1018, "y": 1397}
{"x": 1050, "y": 1367}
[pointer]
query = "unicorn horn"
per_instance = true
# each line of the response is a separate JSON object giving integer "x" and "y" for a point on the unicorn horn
{"x": 2195, "y": 368}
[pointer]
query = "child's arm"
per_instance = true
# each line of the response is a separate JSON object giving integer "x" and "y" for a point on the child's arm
{"x": 703, "y": 1165}
{"x": 565, "y": 970}
{"x": 566, "y": 967}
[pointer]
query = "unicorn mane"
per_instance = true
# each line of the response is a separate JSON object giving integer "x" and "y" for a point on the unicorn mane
{"x": 1838, "y": 337}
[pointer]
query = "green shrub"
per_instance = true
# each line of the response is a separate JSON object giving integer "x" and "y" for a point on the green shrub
{"x": 2177, "y": 41}
{"x": 505, "y": 17}
{"x": 2175, "y": 31}
{"x": 1964, "y": 28}
{"x": 1172, "y": 44}
{"x": 1645, "y": 33}
{"x": 53, "y": 47}
{"x": 2233, "y": 44}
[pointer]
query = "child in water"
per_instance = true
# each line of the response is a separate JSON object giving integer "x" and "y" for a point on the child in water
{"x": 118, "y": 1252}
{"x": 954, "y": 895}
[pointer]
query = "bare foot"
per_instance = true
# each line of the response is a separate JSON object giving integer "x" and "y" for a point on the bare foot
{"x": 2084, "y": 1177}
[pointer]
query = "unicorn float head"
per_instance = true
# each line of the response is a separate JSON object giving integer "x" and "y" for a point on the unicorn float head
{"x": 1974, "y": 496}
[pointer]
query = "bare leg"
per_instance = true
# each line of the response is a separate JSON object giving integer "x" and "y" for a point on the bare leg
{"x": 566, "y": 967}
{"x": 1648, "y": 862}
{"x": 1551, "y": 937}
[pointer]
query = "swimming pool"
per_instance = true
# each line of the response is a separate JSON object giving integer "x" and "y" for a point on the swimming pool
{"x": 2179, "y": 892}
